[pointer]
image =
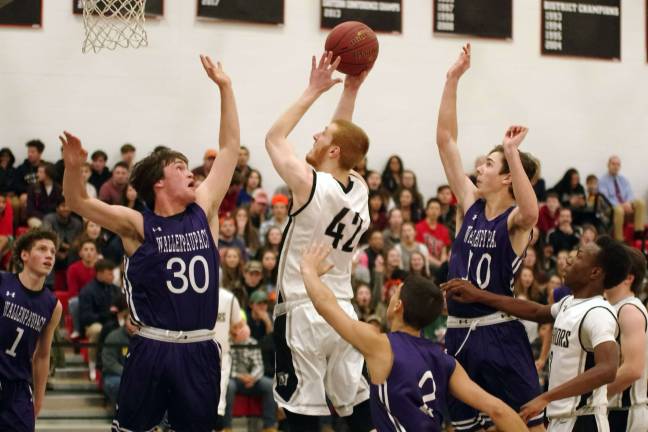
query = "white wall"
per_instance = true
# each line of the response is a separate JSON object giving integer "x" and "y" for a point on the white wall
{"x": 579, "y": 111}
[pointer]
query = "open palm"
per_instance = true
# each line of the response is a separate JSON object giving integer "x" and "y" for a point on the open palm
{"x": 215, "y": 71}
{"x": 74, "y": 155}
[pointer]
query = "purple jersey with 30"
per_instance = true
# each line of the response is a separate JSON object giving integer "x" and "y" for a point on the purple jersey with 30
{"x": 413, "y": 396}
{"x": 482, "y": 253}
{"x": 171, "y": 280}
{"x": 25, "y": 314}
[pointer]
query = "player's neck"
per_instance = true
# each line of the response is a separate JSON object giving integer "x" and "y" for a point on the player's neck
{"x": 588, "y": 291}
{"x": 340, "y": 174}
{"x": 618, "y": 293}
{"x": 399, "y": 326}
{"x": 31, "y": 280}
{"x": 165, "y": 207}
{"x": 497, "y": 203}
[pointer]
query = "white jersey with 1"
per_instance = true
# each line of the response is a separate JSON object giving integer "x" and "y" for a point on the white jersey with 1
{"x": 334, "y": 215}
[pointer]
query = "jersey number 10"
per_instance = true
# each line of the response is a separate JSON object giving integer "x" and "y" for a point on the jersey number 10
{"x": 336, "y": 230}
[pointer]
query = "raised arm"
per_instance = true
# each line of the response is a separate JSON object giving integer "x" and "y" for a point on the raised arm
{"x": 525, "y": 216}
{"x": 364, "y": 337}
{"x": 346, "y": 105}
{"x": 467, "y": 391}
{"x": 465, "y": 292}
{"x": 633, "y": 349}
{"x": 212, "y": 191}
{"x": 447, "y": 131}
{"x": 606, "y": 358}
{"x": 41, "y": 360}
{"x": 297, "y": 174}
{"x": 126, "y": 222}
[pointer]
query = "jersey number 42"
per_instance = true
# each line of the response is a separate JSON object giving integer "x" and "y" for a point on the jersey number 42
{"x": 336, "y": 230}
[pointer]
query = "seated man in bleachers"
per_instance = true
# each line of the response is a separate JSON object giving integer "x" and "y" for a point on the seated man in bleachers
{"x": 616, "y": 188}
{"x": 248, "y": 379}
{"x": 97, "y": 307}
{"x": 113, "y": 355}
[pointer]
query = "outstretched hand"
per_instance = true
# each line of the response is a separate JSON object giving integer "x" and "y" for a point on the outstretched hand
{"x": 314, "y": 259}
{"x": 533, "y": 408}
{"x": 321, "y": 75}
{"x": 462, "y": 64}
{"x": 461, "y": 290}
{"x": 353, "y": 82}
{"x": 74, "y": 155}
{"x": 514, "y": 136}
{"x": 215, "y": 71}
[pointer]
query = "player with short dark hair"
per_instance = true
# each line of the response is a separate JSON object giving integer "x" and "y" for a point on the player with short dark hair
{"x": 30, "y": 315}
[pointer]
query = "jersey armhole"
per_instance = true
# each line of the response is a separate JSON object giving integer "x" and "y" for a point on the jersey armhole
{"x": 642, "y": 313}
{"x": 310, "y": 198}
{"x": 580, "y": 326}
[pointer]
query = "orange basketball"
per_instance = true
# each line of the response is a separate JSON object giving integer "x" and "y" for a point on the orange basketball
{"x": 356, "y": 44}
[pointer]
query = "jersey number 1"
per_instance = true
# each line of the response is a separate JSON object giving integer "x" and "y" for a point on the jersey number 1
{"x": 12, "y": 351}
{"x": 336, "y": 230}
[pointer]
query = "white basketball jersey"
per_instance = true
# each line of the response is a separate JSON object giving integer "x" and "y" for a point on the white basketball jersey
{"x": 334, "y": 215}
{"x": 637, "y": 393}
{"x": 229, "y": 313}
{"x": 569, "y": 356}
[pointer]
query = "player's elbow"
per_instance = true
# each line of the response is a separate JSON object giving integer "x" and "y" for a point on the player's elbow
{"x": 498, "y": 410}
{"x": 608, "y": 373}
{"x": 443, "y": 138}
{"x": 635, "y": 373}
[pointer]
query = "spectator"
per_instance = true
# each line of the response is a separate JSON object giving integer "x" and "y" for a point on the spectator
{"x": 269, "y": 262}
{"x": 246, "y": 232}
{"x": 279, "y": 217}
{"x": 434, "y": 235}
{"x": 59, "y": 169}
{"x": 78, "y": 275}
{"x": 538, "y": 184}
{"x": 97, "y": 308}
{"x": 272, "y": 240}
{"x": 91, "y": 231}
{"x": 405, "y": 202}
{"x": 394, "y": 274}
{"x": 248, "y": 379}
{"x": 229, "y": 323}
{"x": 409, "y": 245}
{"x": 374, "y": 249}
{"x": 392, "y": 174}
{"x": 7, "y": 171}
{"x": 43, "y": 196}
{"x": 242, "y": 167}
{"x": 208, "y": 160}
{"x": 67, "y": 228}
{"x": 100, "y": 173}
{"x": 554, "y": 283}
{"x": 228, "y": 204}
{"x": 598, "y": 206}
{"x": 363, "y": 302}
{"x": 252, "y": 182}
{"x": 127, "y": 155}
{"x": 564, "y": 236}
{"x": 361, "y": 167}
{"x": 112, "y": 190}
{"x": 549, "y": 212}
{"x": 588, "y": 235}
{"x": 377, "y": 211}
{"x": 419, "y": 265}
{"x": 616, "y": 188}
{"x": 232, "y": 270}
{"x": 129, "y": 199}
{"x": 448, "y": 209}
{"x": 409, "y": 182}
{"x": 392, "y": 234}
{"x": 86, "y": 171}
{"x": 114, "y": 356}
{"x": 6, "y": 226}
{"x": 252, "y": 280}
{"x": 572, "y": 195}
{"x": 258, "y": 317}
{"x": 227, "y": 237}
{"x": 26, "y": 174}
{"x": 258, "y": 207}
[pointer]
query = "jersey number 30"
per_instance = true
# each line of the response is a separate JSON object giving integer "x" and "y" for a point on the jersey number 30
{"x": 179, "y": 264}
{"x": 336, "y": 230}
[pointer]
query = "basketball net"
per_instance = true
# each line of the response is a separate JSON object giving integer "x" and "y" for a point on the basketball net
{"x": 113, "y": 23}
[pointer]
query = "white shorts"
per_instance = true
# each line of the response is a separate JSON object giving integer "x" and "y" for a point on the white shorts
{"x": 226, "y": 369}
{"x": 633, "y": 420}
{"x": 314, "y": 363}
{"x": 585, "y": 423}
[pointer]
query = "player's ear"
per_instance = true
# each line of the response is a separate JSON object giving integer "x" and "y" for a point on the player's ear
{"x": 334, "y": 152}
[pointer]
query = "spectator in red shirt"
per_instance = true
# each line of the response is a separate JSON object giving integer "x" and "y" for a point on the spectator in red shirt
{"x": 112, "y": 190}
{"x": 433, "y": 234}
{"x": 81, "y": 272}
{"x": 6, "y": 225}
{"x": 549, "y": 212}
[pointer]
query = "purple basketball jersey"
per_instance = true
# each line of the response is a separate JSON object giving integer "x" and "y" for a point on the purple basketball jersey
{"x": 25, "y": 314}
{"x": 171, "y": 281}
{"x": 482, "y": 253}
{"x": 413, "y": 395}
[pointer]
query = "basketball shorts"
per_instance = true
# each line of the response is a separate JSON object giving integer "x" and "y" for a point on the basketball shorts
{"x": 498, "y": 358}
{"x": 16, "y": 406}
{"x": 226, "y": 370}
{"x": 314, "y": 363}
{"x": 633, "y": 420}
{"x": 586, "y": 423}
{"x": 181, "y": 379}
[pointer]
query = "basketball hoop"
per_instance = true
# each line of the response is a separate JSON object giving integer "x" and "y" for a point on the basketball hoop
{"x": 113, "y": 23}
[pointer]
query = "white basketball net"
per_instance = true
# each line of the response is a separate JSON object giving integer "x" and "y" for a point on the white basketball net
{"x": 113, "y": 23}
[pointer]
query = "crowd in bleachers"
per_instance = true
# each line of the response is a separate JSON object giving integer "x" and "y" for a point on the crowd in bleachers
{"x": 409, "y": 233}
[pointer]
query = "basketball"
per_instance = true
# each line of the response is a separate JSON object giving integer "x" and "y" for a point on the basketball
{"x": 356, "y": 44}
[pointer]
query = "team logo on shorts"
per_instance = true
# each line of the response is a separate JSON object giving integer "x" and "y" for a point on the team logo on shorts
{"x": 282, "y": 379}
